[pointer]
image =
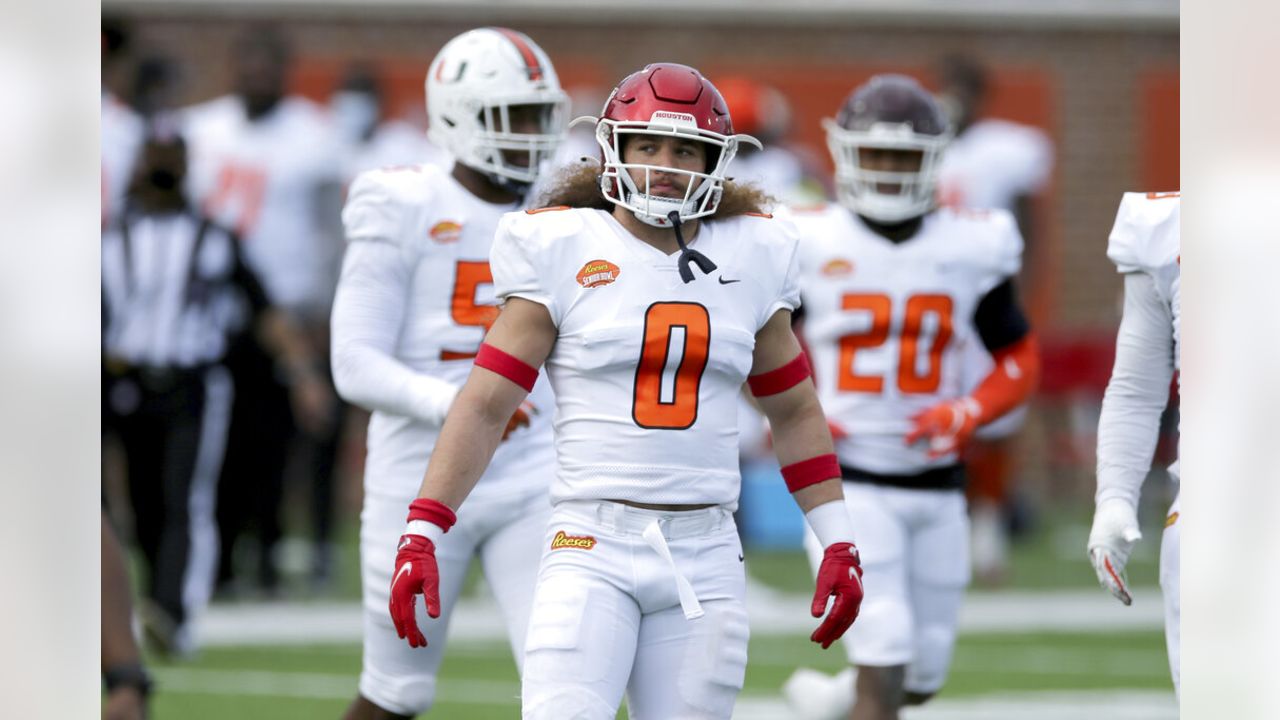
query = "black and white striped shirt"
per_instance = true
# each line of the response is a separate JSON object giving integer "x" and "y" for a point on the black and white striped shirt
{"x": 174, "y": 288}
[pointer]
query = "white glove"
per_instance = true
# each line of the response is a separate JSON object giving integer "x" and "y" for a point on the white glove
{"x": 1114, "y": 533}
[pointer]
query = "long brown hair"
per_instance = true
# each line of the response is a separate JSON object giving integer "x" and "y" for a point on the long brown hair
{"x": 578, "y": 186}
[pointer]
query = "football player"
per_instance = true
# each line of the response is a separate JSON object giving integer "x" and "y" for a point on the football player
{"x": 1145, "y": 246}
{"x": 414, "y": 301}
{"x": 991, "y": 163}
{"x": 651, "y": 294}
{"x": 259, "y": 167}
{"x": 895, "y": 289}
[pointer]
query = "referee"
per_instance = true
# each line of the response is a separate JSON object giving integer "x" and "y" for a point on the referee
{"x": 173, "y": 288}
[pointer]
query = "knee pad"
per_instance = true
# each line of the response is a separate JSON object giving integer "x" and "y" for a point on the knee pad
{"x": 566, "y": 703}
{"x": 403, "y": 696}
{"x": 715, "y": 669}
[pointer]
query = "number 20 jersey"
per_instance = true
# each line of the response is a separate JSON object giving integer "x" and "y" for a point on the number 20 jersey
{"x": 442, "y": 234}
{"x": 647, "y": 368}
{"x": 886, "y": 324}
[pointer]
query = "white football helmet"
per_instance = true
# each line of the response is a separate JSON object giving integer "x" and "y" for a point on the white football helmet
{"x": 890, "y": 112}
{"x": 472, "y": 86}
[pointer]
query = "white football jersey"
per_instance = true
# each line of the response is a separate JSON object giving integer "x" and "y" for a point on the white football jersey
{"x": 647, "y": 368}
{"x": 992, "y": 163}
{"x": 1146, "y": 238}
{"x": 122, "y": 135}
{"x": 261, "y": 179}
{"x": 887, "y": 325}
{"x": 443, "y": 233}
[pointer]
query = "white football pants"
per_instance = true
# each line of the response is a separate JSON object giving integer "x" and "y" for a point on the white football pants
{"x": 638, "y": 601}
{"x": 1170, "y": 553}
{"x": 502, "y": 531}
{"x": 915, "y": 561}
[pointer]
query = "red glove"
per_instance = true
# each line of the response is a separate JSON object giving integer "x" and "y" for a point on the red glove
{"x": 840, "y": 574}
{"x": 948, "y": 426}
{"x": 416, "y": 570}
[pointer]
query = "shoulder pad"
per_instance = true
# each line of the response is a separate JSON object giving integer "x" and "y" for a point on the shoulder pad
{"x": 543, "y": 224}
{"x": 994, "y": 235}
{"x": 1145, "y": 234}
{"x": 379, "y": 201}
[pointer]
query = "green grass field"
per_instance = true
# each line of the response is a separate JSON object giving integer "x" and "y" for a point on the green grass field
{"x": 479, "y": 679}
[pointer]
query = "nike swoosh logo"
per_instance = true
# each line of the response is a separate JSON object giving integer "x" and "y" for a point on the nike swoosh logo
{"x": 726, "y": 282}
{"x": 741, "y": 557}
{"x": 403, "y": 569}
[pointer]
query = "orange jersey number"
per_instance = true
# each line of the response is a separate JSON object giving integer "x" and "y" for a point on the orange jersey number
{"x": 468, "y": 277}
{"x": 237, "y": 197}
{"x": 676, "y": 409}
{"x": 915, "y": 331}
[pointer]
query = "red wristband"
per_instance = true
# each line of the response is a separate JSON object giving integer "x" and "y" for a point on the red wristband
{"x": 780, "y": 379}
{"x": 802, "y": 474}
{"x": 508, "y": 366}
{"x": 433, "y": 511}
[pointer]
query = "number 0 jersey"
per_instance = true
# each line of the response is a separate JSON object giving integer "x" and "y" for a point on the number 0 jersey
{"x": 441, "y": 235}
{"x": 647, "y": 368}
{"x": 886, "y": 324}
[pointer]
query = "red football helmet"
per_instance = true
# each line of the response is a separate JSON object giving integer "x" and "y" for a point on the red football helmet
{"x": 666, "y": 99}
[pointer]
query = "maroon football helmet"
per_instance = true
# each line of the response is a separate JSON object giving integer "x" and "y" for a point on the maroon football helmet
{"x": 889, "y": 112}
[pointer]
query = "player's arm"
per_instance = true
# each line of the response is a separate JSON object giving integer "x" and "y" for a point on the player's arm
{"x": 504, "y": 373}
{"x": 1005, "y": 332}
{"x": 368, "y": 312}
{"x": 295, "y": 355}
{"x": 780, "y": 382}
{"x": 1129, "y": 427}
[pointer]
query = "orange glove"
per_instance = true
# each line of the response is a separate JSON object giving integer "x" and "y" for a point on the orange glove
{"x": 947, "y": 426}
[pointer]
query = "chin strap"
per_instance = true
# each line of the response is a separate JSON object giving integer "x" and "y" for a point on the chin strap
{"x": 686, "y": 255}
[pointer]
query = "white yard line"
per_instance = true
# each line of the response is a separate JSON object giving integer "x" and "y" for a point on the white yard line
{"x": 771, "y": 612}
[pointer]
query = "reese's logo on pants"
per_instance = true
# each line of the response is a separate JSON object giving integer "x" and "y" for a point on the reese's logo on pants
{"x": 581, "y": 542}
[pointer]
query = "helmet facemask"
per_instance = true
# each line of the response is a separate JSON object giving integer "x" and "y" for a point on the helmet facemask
{"x": 496, "y": 137}
{"x": 703, "y": 190}
{"x": 869, "y": 192}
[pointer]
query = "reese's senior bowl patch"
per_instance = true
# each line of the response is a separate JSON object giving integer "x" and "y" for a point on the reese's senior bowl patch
{"x": 446, "y": 231}
{"x": 581, "y": 542}
{"x": 598, "y": 272}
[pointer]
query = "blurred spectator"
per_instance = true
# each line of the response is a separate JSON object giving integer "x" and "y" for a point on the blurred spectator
{"x": 358, "y": 112}
{"x": 173, "y": 288}
{"x": 785, "y": 172}
{"x": 126, "y": 680}
{"x": 268, "y": 165}
{"x": 992, "y": 163}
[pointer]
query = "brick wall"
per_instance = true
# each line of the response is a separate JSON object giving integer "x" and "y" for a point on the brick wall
{"x": 1093, "y": 77}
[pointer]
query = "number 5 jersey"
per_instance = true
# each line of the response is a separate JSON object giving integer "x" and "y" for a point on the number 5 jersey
{"x": 413, "y": 304}
{"x": 887, "y": 323}
{"x": 647, "y": 368}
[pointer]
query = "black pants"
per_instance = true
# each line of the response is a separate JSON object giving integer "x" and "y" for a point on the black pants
{"x": 252, "y": 485}
{"x": 172, "y": 426}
